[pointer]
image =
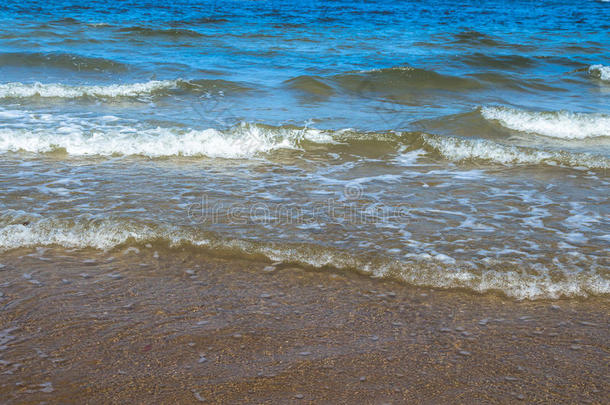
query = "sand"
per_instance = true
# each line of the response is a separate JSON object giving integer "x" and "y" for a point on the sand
{"x": 152, "y": 325}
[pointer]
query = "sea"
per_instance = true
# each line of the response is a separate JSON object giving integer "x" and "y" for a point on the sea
{"x": 453, "y": 145}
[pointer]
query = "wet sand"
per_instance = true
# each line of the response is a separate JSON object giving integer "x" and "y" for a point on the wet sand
{"x": 135, "y": 326}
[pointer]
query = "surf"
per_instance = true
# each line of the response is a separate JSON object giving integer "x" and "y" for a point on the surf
{"x": 554, "y": 124}
{"x": 151, "y": 88}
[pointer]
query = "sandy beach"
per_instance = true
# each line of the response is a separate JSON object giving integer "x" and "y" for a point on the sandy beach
{"x": 147, "y": 325}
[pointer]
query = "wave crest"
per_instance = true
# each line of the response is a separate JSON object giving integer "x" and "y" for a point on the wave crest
{"x": 153, "y": 87}
{"x": 61, "y": 60}
{"x": 600, "y": 72}
{"x": 18, "y": 230}
{"x": 110, "y": 137}
{"x": 463, "y": 149}
{"x": 242, "y": 141}
{"x": 556, "y": 124}
{"x": 310, "y": 84}
{"x": 160, "y": 32}
{"x": 404, "y": 77}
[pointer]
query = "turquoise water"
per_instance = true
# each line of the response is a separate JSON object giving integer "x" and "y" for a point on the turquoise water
{"x": 453, "y": 145}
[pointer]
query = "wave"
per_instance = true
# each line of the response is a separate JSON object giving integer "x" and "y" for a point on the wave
{"x": 556, "y": 124}
{"x": 242, "y": 141}
{"x": 478, "y": 39}
{"x": 520, "y": 83}
{"x": 153, "y": 87}
{"x": 600, "y": 72}
{"x": 109, "y": 136}
{"x": 509, "y": 62}
{"x": 18, "y": 230}
{"x": 201, "y": 20}
{"x": 173, "y": 33}
{"x": 399, "y": 83}
{"x": 61, "y": 60}
{"x": 403, "y": 83}
{"x": 310, "y": 84}
{"x": 475, "y": 38}
{"x": 405, "y": 76}
{"x": 464, "y": 149}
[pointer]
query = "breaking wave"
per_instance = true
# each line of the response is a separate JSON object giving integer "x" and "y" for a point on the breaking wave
{"x": 464, "y": 149}
{"x": 18, "y": 230}
{"x": 600, "y": 71}
{"x": 556, "y": 124}
{"x": 242, "y": 141}
{"x": 109, "y": 136}
{"x": 153, "y": 87}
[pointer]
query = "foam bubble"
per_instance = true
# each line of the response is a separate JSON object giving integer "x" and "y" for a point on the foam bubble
{"x": 558, "y": 124}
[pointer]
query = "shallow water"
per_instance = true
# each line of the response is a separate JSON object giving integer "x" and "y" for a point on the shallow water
{"x": 449, "y": 146}
{"x": 151, "y": 325}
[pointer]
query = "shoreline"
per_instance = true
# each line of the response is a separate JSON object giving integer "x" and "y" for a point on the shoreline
{"x": 139, "y": 326}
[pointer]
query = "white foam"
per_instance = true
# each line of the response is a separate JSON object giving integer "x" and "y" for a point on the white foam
{"x": 83, "y": 233}
{"x": 10, "y": 114}
{"x": 558, "y": 124}
{"x": 56, "y": 90}
{"x": 75, "y": 139}
{"x": 77, "y": 235}
{"x": 457, "y": 149}
{"x": 442, "y": 271}
{"x": 395, "y": 68}
{"x": 434, "y": 270}
{"x": 410, "y": 158}
{"x": 600, "y": 71}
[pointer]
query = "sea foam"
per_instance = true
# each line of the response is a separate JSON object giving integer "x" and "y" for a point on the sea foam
{"x": 241, "y": 141}
{"x": 600, "y": 71}
{"x": 56, "y": 90}
{"x": 152, "y": 87}
{"x": 556, "y": 124}
{"x": 460, "y": 149}
{"x": 439, "y": 271}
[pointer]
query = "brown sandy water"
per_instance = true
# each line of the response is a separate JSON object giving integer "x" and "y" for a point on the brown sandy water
{"x": 151, "y": 325}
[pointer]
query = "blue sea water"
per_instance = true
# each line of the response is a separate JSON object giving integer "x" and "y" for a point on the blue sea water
{"x": 460, "y": 144}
